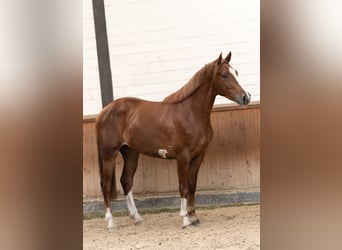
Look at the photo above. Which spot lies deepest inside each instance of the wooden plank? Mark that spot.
(172, 176)
(162, 180)
(149, 173)
(231, 133)
(90, 161)
(138, 182)
(252, 120)
(234, 106)
(87, 185)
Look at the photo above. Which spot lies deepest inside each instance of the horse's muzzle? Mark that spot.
(244, 99)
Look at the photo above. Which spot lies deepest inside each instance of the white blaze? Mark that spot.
(233, 72)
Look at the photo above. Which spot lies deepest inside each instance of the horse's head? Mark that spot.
(225, 81)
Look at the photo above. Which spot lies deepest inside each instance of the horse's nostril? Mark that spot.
(246, 98)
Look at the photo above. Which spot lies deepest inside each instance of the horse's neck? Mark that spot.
(202, 100)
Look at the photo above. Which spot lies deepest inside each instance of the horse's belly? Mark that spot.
(155, 151)
(163, 140)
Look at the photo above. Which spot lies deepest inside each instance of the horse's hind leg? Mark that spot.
(108, 185)
(130, 157)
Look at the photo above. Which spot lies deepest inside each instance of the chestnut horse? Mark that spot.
(177, 128)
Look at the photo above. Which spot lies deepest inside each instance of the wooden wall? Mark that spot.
(232, 160)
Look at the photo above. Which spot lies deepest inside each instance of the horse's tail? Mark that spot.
(100, 161)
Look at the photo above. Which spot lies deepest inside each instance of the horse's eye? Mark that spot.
(224, 76)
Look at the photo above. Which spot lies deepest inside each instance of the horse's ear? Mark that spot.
(229, 56)
(219, 59)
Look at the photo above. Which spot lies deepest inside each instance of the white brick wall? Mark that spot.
(157, 45)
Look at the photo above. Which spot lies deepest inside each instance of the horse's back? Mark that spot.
(123, 113)
(117, 108)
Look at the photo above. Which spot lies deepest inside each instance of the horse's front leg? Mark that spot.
(183, 175)
(193, 173)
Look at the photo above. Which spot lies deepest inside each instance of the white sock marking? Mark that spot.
(109, 218)
(133, 211)
(183, 211)
(129, 206)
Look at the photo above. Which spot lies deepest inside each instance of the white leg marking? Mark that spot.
(162, 153)
(183, 207)
(129, 206)
(184, 213)
(109, 218)
(133, 211)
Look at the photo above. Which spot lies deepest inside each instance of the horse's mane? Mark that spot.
(193, 84)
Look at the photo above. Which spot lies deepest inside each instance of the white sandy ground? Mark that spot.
(220, 228)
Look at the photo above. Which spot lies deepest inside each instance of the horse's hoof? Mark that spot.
(195, 222)
(137, 219)
(109, 219)
(186, 222)
(138, 222)
(110, 224)
(185, 225)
